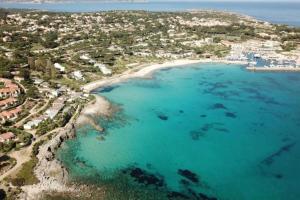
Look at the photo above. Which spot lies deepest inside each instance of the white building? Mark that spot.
(77, 75)
(103, 69)
(59, 67)
(33, 123)
(84, 57)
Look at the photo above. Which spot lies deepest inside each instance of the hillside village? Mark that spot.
(46, 58)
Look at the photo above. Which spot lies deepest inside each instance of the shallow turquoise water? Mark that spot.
(236, 131)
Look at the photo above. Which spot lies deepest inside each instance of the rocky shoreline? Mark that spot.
(98, 107)
(51, 174)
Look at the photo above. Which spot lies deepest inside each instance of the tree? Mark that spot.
(32, 92)
(31, 63)
(25, 73)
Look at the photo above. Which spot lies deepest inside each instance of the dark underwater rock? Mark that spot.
(196, 134)
(222, 130)
(176, 195)
(163, 117)
(230, 115)
(217, 106)
(205, 197)
(199, 196)
(203, 116)
(108, 89)
(144, 177)
(181, 111)
(184, 182)
(189, 175)
(270, 159)
(278, 176)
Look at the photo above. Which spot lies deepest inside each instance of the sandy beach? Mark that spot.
(146, 71)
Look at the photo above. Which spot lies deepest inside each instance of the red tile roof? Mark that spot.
(7, 101)
(7, 136)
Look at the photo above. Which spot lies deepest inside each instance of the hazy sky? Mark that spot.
(234, 0)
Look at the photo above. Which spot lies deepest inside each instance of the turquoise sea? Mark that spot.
(207, 131)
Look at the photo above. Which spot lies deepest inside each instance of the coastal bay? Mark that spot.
(137, 104)
(143, 129)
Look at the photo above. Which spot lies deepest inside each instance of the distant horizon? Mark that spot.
(136, 1)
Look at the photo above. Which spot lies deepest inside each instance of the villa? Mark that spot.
(57, 105)
(10, 115)
(10, 89)
(6, 137)
(33, 123)
(7, 102)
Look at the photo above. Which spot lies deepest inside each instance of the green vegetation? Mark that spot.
(26, 174)
(289, 46)
(24, 139)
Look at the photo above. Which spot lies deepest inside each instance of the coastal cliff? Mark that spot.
(51, 174)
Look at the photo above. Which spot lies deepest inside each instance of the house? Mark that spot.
(10, 115)
(103, 69)
(33, 123)
(59, 67)
(6, 137)
(77, 75)
(7, 102)
(9, 92)
(57, 105)
(18, 78)
(9, 89)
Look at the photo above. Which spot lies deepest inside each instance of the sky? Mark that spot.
(233, 0)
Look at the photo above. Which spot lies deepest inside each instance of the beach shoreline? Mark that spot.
(145, 71)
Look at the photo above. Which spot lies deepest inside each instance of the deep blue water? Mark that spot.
(214, 129)
(275, 12)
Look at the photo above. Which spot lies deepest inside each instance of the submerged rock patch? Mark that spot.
(196, 134)
(144, 177)
(230, 115)
(189, 175)
(163, 117)
(108, 89)
(204, 129)
(270, 159)
(217, 106)
(176, 195)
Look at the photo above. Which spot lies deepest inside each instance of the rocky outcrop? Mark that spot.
(51, 174)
